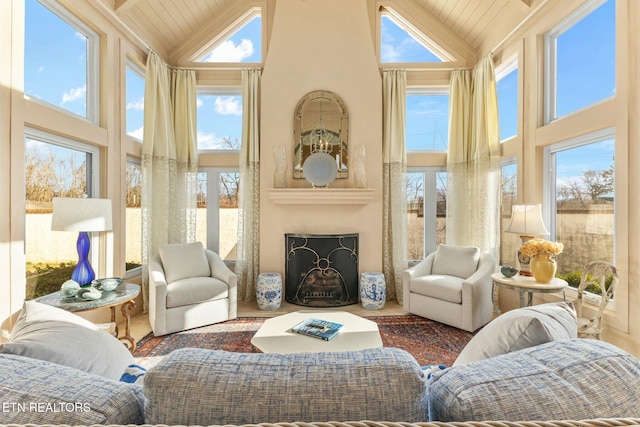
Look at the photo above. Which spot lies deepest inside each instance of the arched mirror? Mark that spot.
(321, 125)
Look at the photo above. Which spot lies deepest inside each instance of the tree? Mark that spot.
(598, 183)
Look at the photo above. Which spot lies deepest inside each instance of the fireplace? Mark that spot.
(321, 270)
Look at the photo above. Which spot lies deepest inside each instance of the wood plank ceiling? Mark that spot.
(167, 24)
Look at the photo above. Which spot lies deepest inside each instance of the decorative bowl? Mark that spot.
(108, 284)
(508, 271)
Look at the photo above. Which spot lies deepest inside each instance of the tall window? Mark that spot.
(507, 88)
(54, 167)
(217, 214)
(135, 102)
(427, 126)
(244, 44)
(219, 119)
(509, 242)
(133, 232)
(581, 59)
(60, 59)
(426, 211)
(581, 190)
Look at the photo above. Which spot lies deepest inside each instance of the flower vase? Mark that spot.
(280, 173)
(543, 267)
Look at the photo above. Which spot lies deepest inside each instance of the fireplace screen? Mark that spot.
(321, 270)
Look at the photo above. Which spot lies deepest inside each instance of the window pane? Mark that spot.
(509, 242)
(584, 217)
(133, 215)
(51, 171)
(219, 122)
(243, 46)
(398, 45)
(228, 208)
(55, 60)
(135, 105)
(201, 212)
(441, 208)
(427, 122)
(415, 216)
(586, 61)
(507, 88)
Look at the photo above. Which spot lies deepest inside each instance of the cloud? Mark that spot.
(228, 52)
(389, 53)
(199, 102)
(137, 134)
(41, 68)
(210, 141)
(136, 105)
(74, 94)
(228, 105)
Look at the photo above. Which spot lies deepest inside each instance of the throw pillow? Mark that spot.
(184, 260)
(55, 335)
(521, 328)
(134, 374)
(458, 261)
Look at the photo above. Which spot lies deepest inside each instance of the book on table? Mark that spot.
(318, 328)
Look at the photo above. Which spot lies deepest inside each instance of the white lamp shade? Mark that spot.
(81, 214)
(526, 220)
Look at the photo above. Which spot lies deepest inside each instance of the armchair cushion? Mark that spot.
(459, 261)
(194, 290)
(184, 260)
(521, 328)
(447, 288)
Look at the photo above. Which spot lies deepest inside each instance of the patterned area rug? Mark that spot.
(428, 341)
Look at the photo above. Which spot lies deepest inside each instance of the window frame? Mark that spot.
(549, 205)
(550, 102)
(92, 63)
(429, 206)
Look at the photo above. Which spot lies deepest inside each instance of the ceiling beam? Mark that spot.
(121, 7)
(524, 5)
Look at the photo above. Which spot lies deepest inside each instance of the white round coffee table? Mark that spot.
(275, 335)
(526, 286)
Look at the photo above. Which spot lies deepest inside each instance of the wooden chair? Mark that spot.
(594, 277)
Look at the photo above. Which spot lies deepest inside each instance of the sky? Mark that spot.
(55, 72)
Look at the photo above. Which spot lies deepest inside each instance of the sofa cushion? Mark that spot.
(182, 260)
(521, 328)
(459, 261)
(561, 380)
(246, 388)
(49, 333)
(39, 392)
(193, 290)
(446, 288)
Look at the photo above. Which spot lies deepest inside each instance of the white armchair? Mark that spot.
(189, 286)
(452, 286)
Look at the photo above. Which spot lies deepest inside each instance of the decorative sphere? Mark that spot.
(69, 288)
(508, 271)
(90, 293)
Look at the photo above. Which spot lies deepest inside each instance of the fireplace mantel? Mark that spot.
(321, 196)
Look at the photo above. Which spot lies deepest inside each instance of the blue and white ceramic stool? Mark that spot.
(269, 291)
(373, 290)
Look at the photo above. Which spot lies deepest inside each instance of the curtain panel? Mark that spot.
(394, 200)
(169, 161)
(248, 248)
(473, 161)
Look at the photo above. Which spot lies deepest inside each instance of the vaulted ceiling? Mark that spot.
(170, 24)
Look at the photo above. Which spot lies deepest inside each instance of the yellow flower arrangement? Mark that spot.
(535, 246)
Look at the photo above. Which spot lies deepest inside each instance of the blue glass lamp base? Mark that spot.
(83, 273)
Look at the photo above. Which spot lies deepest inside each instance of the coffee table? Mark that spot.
(275, 336)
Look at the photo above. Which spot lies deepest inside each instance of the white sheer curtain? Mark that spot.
(394, 208)
(248, 249)
(473, 163)
(169, 160)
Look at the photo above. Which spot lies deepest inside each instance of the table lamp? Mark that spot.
(82, 215)
(526, 220)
